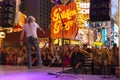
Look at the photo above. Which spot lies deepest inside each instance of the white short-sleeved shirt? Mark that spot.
(31, 30)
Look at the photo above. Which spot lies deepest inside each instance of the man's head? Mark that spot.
(30, 19)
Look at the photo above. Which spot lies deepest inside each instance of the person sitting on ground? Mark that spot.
(77, 59)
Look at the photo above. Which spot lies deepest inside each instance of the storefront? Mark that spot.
(72, 19)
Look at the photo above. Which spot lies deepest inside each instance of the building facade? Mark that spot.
(40, 9)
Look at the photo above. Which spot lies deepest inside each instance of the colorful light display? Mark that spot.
(63, 14)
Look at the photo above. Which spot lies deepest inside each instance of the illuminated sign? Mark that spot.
(63, 14)
(59, 41)
(85, 8)
(2, 35)
(98, 43)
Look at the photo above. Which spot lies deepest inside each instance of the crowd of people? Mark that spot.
(69, 56)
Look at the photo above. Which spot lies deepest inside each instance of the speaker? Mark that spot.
(100, 10)
(8, 12)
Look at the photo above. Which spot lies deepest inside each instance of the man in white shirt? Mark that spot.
(30, 28)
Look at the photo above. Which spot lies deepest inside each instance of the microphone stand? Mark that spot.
(63, 51)
(63, 31)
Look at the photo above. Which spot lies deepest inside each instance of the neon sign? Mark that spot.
(60, 14)
(85, 8)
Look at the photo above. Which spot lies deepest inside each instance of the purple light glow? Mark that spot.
(26, 76)
(33, 75)
(22, 73)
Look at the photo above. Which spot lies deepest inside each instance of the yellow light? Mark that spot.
(98, 43)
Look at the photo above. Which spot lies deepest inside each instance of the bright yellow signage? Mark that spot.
(63, 14)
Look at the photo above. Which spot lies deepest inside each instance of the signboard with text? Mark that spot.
(63, 14)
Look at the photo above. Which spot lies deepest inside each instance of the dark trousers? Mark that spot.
(31, 41)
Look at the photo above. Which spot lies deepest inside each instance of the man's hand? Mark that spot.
(43, 32)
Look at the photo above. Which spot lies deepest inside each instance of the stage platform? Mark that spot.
(45, 73)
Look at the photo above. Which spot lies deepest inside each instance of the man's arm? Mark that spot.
(78, 64)
(22, 35)
(41, 29)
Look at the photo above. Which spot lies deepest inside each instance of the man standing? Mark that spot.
(30, 28)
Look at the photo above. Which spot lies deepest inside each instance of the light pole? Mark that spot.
(119, 27)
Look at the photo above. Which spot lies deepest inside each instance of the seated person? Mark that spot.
(67, 57)
(77, 59)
